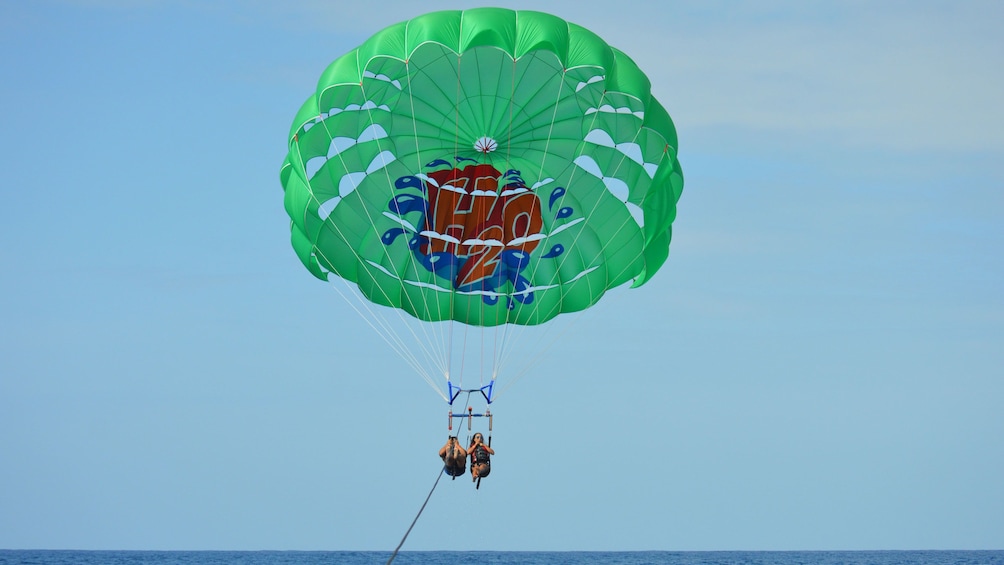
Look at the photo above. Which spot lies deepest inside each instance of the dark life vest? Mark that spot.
(479, 455)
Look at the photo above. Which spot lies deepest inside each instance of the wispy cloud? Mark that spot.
(873, 75)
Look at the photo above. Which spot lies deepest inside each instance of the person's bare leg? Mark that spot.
(446, 453)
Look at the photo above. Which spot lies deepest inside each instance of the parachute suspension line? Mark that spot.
(440, 335)
(456, 105)
(449, 353)
(605, 245)
(453, 286)
(442, 360)
(463, 357)
(481, 305)
(376, 322)
(525, 369)
(512, 103)
(549, 329)
(513, 335)
(481, 350)
(501, 335)
(408, 531)
(501, 341)
(540, 355)
(384, 331)
(497, 343)
(498, 335)
(431, 333)
(387, 333)
(588, 214)
(502, 352)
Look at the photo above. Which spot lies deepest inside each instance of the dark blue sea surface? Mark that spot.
(67, 557)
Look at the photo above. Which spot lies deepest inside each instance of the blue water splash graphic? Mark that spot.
(409, 182)
(407, 203)
(555, 251)
(390, 235)
(555, 195)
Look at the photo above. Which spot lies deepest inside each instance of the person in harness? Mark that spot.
(454, 457)
(480, 457)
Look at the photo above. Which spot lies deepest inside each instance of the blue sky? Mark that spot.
(817, 366)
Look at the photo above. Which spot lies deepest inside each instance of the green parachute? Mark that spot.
(486, 166)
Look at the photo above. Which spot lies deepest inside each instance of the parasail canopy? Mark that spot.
(486, 166)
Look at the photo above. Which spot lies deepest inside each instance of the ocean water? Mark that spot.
(48, 557)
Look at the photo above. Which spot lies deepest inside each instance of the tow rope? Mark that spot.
(398, 548)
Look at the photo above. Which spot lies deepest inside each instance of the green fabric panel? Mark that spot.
(660, 204)
(586, 49)
(335, 254)
(436, 27)
(295, 200)
(494, 27)
(676, 182)
(657, 118)
(343, 70)
(308, 111)
(537, 31)
(285, 171)
(627, 78)
(391, 42)
(304, 249)
(655, 256)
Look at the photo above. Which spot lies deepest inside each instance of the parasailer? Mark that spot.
(480, 171)
(481, 454)
(454, 457)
